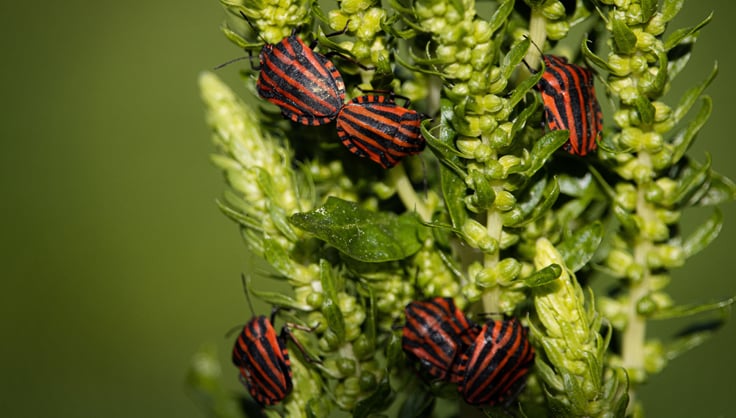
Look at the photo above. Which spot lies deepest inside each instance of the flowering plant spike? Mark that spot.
(493, 217)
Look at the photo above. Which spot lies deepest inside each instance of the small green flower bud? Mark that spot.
(553, 10)
(460, 89)
(346, 366)
(656, 25)
(486, 278)
(646, 41)
(557, 30)
(638, 64)
(622, 118)
(620, 66)
(352, 386)
(655, 230)
(646, 306)
(504, 200)
(468, 145)
(329, 341)
(626, 196)
(315, 299)
(368, 382)
(654, 356)
(669, 217)
(663, 159)
(446, 53)
(507, 270)
(355, 6)
(635, 272)
(491, 103)
(317, 321)
(363, 348)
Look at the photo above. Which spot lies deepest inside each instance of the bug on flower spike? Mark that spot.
(375, 127)
(435, 334)
(570, 103)
(495, 366)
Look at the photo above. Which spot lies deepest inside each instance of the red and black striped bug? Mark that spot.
(435, 334)
(570, 103)
(263, 360)
(375, 127)
(495, 366)
(303, 83)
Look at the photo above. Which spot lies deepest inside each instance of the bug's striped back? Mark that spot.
(570, 103)
(303, 83)
(375, 127)
(435, 333)
(495, 366)
(263, 360)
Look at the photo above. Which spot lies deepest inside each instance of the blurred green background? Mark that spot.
(117, 265)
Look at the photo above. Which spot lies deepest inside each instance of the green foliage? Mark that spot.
(494, 214)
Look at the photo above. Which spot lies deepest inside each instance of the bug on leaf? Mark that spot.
(494, 367)
(375, 127)
(570, 103)
(436, 332)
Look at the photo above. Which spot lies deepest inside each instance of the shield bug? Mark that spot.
(435, 334)
(570, 103)
(375, 127)
(494, 367)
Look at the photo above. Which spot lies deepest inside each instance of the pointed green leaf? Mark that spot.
(454, 192)
(645, 109)
(679, 35)
(721, 190)
(279, 219)
(244, 220)
(501, 15)
(543, 149)
(691, 96)
(683, 311)
(593, 58)
(378, 401)
(278, 299)
(361, 234)
(330, 304)
(624, 40)
(541, 197)
(528, 111)
(627, 221)
(579, 248)
(685, 137)
(514, 57)
(670, 8)
(544, 276)
(691, 183)
(419, 403)
(278, 258)
(655, 89)
(704, 235)
(648, 8)
(523, 88)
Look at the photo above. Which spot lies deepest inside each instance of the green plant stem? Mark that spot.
(494, 226)
(398, 178)
(634, 336)
(538, 35)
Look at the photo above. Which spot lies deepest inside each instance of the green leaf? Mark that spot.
(278, 299)
(543, 149)
(330, 305)
(542, 195)
(670, 8)
(692, 183)
(419, 403)
(544, 276)
(721, 190)
(691, 96)
(501, 15)
(394, 352)
(522, 88)
(655, 89)
(624, 40)
(378, 401)
(593, 58)
(278, 258)
(679, 35)
(454, 192)
(514, 58)
(648, 8)
(526, 112)
(279, 219)
(361, 234)
(579, 248)
(645, 110)
(683, 311)
(685, 137)
(627, 221)
(704, 235)
(244, 220)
